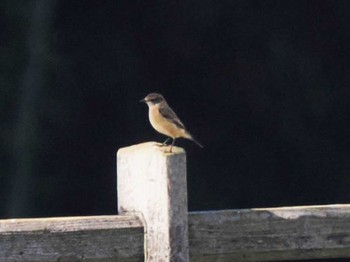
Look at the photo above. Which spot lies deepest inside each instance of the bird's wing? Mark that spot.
(170, 115)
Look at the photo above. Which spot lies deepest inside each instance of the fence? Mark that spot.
(153, 224)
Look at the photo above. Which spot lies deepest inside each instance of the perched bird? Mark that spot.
(164, 120)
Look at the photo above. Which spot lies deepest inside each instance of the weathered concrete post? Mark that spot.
(152, 183)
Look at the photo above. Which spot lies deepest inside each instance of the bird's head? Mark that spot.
(153, 99)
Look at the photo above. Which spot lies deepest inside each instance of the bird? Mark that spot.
(164, 120)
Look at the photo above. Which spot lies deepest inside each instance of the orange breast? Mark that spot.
(162, 125)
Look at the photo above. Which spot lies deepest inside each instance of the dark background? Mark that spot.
(264, 85)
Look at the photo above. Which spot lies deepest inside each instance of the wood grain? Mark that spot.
(95, 238)
(270, 234)
(265, 234)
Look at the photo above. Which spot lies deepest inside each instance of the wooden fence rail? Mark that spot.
(95, 238)
(153, 224)
(270, 234)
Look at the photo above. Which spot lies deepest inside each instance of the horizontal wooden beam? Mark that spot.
(264, 234)
(95, 238)
(270, 234)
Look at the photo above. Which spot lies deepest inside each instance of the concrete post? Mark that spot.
(152, 183)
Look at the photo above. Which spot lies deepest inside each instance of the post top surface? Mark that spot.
(150, 147)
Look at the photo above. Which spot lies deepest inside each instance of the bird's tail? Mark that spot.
(199, 144)
(190, 137)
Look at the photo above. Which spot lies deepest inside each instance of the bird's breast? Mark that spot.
(163, 125)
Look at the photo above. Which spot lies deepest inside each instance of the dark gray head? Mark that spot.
(153, 99)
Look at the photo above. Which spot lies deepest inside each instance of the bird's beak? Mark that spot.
(143, 100)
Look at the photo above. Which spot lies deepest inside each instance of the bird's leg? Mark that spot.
(172, 144)
(164, 143)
